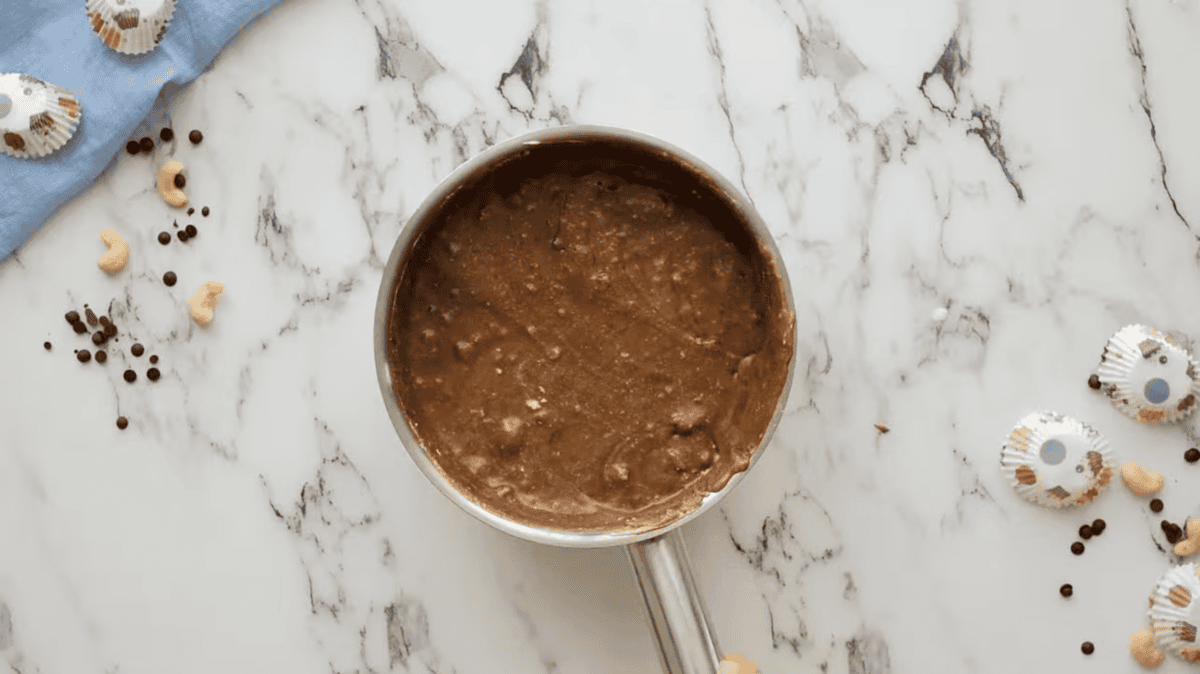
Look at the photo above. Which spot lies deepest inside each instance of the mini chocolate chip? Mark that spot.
(1094, 381)
(72, 317)
(166, 135)
(164, 238)
(152, 374)
(101, 356)
(133, 147)
(130, 376)
(204, 211)
(180, 181)
(104, 322)
(1077, 548)
(147, 144)
(1156, 505)
(1172, 531)
(110, 330)
(191, 231)
(122, 423)
(182, 235)
(191, 210)
(80, 328)
(99, 337)
(1098, 527)
(137, 350)
(1088, 648)
(153, 359)
(169, 278)
(47, 345)
(1085, 532)
(1192, 455)
(195, 137)
(91, 317)
(1066, 590)
(83, 355)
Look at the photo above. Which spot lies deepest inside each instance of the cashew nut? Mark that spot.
(1139, 481)
(117, 255)
(1188, 546)
(166, 185)
(204, 301)
(1143, 649)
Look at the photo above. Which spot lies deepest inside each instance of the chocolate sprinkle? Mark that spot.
(147, 144)
(166, 135)
(1094, 381)
(1085, 532)
(180, 181)
(1088, 648)
(104, 322)
(47, 345)
(130, 376)
(169, 278)
(164, 238)
(191, 210)
(1077, 548)
(122, 423)
(83, 355)
(204, 211)
(91, 316)
(1066, 590)
(101, 356)
(1192, 455)
(1156, 505)
(191, 231)
(152, 374)
(137, 350)
(133, 147)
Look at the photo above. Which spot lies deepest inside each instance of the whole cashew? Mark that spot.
(1144, 650)
(166, 185)
(1139, 481)
(117, 255)
(1188, 546)
(204, 301)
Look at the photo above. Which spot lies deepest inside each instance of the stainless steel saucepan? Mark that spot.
(681, 625)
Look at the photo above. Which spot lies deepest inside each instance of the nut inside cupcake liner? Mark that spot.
(1056, 461)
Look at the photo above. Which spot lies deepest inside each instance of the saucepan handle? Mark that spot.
(687, 643)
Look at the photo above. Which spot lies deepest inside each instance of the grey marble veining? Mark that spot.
(970, 198)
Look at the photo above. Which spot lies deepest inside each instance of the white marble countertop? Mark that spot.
(970, 198)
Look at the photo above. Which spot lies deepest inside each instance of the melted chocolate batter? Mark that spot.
(587, 353)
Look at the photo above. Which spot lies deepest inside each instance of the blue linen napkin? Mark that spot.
(52, 40)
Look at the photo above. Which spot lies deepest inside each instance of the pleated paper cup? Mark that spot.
(130, 26)
(1056, 461)
(1149, 376)
(36, 117)
(1175, 612)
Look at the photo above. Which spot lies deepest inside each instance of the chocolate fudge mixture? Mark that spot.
(587, 353)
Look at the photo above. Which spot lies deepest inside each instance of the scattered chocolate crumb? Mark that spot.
(80, 328)
(1192, 455)
(72, 317)
(182, 235)
(47, 345)
(180, 181)
(1066, 590)
(101, 356)
(195, 136)
(1173, 532)
(122, 423)
(1088, 648)
(1094, 381)
(169, 278)
(1098, 527)
(882, 428)
(152, 374)
(130, 376)
(147, 144)
(153, 359)
(1077, 548)
(83, 355)
(1085, 532)
(191, 231)
(164, 238)
(1156, 505)
(137, 350)
(91, 317)
(133, 147)
(204, 211)
(99, 337)
(166, 134)
(191, 210)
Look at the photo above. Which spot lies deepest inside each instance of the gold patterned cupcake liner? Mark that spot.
(1149, 376)
(1175, 612)
(1056, 461)
(130, 26)
(36, 117)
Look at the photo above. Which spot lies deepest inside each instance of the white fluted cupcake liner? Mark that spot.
(1056, 461)
(36, 117)
(1149, 376)
(1175, 612)
(130, 26)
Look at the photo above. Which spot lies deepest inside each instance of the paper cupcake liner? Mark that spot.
(1149, 376)
(1056, 461)
(1175, 612)
(36, 117)
(130, 26)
